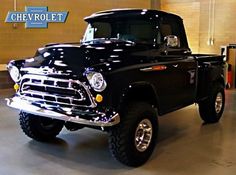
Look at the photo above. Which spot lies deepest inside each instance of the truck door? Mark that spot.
(178, 86)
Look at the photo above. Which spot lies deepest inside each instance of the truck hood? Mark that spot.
(105, 55)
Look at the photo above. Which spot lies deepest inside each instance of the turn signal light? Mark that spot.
(16, 87)
(99, 98)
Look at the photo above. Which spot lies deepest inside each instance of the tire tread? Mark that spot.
(119, 135)
(29, 123)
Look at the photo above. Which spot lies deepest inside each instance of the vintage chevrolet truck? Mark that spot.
(131, 66)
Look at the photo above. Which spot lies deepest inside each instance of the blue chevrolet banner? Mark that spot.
(36, 17)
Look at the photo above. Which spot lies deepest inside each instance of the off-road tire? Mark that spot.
(122, 137)
(207, 107)
(40, 128)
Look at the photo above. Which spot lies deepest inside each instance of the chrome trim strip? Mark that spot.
(148, 69)
(160, 67)
(50, 95)
(55, 80)
(32, 99)
(43, 71)
(18, 103)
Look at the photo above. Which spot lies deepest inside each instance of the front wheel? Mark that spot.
(133, 140)
(40, 128)
(212, 108)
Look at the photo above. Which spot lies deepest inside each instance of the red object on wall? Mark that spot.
(230, 75)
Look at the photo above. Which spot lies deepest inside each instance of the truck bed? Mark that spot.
(208, 58)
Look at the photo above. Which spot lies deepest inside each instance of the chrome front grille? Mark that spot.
(55, 91)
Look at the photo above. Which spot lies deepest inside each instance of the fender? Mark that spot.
(141, 91)
(221, 80)
(17, 63)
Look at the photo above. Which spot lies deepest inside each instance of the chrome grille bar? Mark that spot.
(54, 90)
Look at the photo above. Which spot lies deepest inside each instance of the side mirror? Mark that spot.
(172, 41)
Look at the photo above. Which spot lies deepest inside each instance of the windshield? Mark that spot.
(129, 30)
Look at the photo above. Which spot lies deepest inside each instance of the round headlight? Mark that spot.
(97, 81)
(14, 73)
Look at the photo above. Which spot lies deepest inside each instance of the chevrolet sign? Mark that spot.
(36, 17)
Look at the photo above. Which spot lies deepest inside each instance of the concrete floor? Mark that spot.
(185, 147)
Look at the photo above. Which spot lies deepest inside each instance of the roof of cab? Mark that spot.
(125, 12)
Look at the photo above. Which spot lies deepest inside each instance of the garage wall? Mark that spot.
(20, 42)
(196, 18)
(191, 19)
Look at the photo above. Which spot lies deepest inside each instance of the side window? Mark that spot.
(102, 30)
(135, 30)
(166, 30)
(171, 27)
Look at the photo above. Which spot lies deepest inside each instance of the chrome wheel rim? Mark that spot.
(218, 102)
(143, 135)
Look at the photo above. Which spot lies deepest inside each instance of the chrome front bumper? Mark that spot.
(26, 106)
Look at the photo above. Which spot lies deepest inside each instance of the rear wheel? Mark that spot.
(211, 109)
(40, 128)
(133, 140)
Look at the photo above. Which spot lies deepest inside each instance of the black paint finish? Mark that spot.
(170, 77)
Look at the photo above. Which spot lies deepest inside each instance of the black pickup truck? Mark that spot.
(132, 66)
